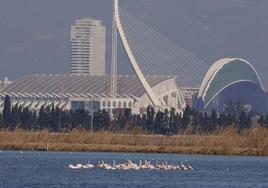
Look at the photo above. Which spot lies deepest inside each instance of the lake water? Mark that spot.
(50, 169)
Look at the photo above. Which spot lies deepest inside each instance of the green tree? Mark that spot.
(66, 121)
(201, 126)
(261, 120)
(222, 121)
(166, 123)
(205, 127)
(102, 121)
(159, 123)
(15, 117)
(26, 119)
(266, 121)
(150, 119)
(173, 121)
(186, 117)
(1, 121)
(213, 123)
(7, 112)
(42, 118)
(57, 119)
(196, 121)
(244, 120)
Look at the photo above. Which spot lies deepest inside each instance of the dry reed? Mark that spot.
(227, 142)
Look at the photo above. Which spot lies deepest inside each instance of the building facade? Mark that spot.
(189, 93)
(91, 93)
(88, 39)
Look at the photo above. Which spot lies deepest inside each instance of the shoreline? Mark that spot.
(228, 143)
(137, 149)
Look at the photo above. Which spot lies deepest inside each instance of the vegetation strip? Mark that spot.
(252, 141)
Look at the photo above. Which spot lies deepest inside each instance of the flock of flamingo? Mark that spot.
(129, 165)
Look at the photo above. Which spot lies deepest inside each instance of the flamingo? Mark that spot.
(89, 165)
(102, 165)
(150, 167)
(78, 166)
(158, 166)
(129, 165)
(183, 167)
(72, 166)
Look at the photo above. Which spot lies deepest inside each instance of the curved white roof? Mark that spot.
(216, 67)
(224, 73)
(73, 85)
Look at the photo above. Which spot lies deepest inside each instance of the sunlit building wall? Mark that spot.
(88, 47)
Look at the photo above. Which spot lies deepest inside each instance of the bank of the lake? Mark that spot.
(252, 142)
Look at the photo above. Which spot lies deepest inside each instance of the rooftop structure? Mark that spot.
(4, 83)
(34, 91)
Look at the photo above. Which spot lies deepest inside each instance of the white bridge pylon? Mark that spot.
(154, 99)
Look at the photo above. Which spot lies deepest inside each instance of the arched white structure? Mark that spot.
(147, 87)
(223, 74)
(214, 69)
(169, 94)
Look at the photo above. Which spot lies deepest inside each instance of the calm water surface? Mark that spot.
(49, 169)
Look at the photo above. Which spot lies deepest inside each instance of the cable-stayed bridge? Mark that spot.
(151, 53)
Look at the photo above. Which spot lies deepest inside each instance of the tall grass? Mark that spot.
(226, 142)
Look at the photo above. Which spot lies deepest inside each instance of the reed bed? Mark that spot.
(253, 141)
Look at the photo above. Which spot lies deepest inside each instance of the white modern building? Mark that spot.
(88, 38)
(91, 92)
(188, 93)
(231, 80)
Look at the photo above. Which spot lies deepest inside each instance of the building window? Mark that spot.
(103, 104)
(114, 104)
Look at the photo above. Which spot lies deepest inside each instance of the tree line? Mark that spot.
(167, 122)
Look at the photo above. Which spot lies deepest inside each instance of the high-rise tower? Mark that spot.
(88, 47)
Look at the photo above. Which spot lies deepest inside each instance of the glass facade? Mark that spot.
(246, 93)
(85, 105)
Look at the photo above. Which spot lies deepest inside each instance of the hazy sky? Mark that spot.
(34, 34)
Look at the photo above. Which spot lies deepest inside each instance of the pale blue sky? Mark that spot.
(34, 34)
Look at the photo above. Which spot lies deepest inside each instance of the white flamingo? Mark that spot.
(183, 167)
(146, 165)
(78, 166)
(89, 165)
